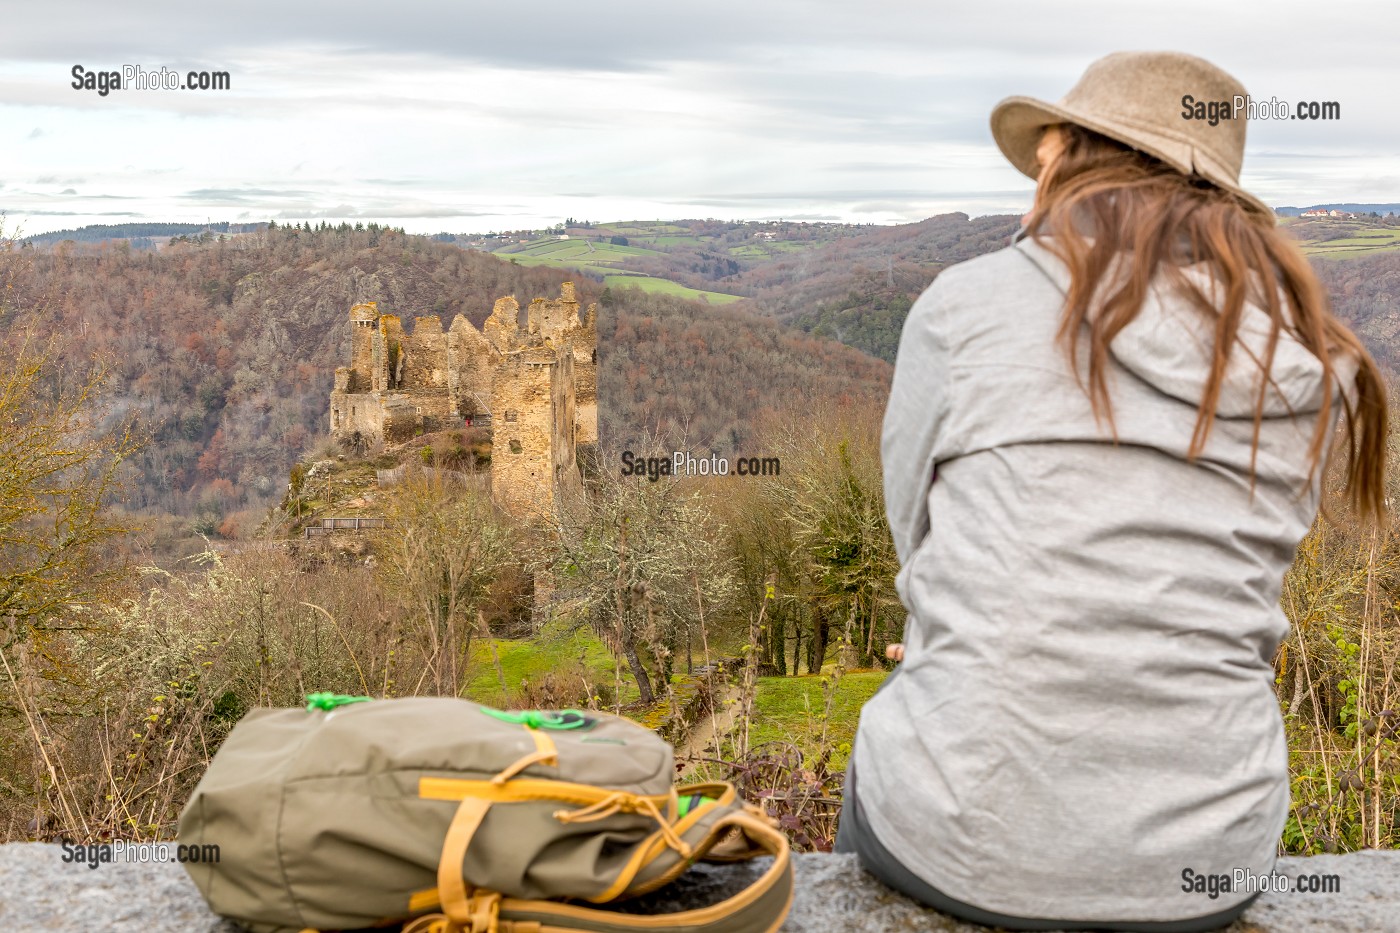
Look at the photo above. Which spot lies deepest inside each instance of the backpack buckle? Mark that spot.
(484, 909)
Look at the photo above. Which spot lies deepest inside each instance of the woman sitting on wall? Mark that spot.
(1102, 446)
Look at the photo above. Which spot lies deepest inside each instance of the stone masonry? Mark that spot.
(834, 895)
(533, 383)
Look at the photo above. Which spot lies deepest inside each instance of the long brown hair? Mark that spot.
(1100, 199)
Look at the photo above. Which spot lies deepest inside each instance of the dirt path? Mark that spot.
(711, 730)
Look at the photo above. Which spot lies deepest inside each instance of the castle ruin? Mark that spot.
(533, 383)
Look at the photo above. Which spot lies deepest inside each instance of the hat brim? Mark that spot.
(1017, 123)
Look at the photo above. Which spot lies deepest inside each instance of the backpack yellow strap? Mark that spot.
(760, 908)
(471, 913)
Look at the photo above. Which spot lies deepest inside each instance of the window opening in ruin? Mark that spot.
(515, 447)
(510, 414)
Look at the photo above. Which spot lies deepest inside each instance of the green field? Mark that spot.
(640, 228)
(666, 287)
(1362, 239)
(664, 239)
(588, 255)
(575, 252)
(553, 652)
(583, 251)
(767, 248)
(791, 709)
(785, 708)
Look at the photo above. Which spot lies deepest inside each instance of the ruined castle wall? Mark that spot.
(469, 367)
(536, 377)
(364, 321)
(425, 361)
(388, 348)
(502, 327)
(565, 476)
(357, 413)
(522, 408)
(402, 419)
(553, 318)
(584, 344)
(425, 369)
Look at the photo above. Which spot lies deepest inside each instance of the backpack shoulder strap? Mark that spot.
(759, 908)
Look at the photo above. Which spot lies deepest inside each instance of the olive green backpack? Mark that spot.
(452, 817)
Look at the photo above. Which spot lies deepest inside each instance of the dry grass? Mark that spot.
(1338, 689)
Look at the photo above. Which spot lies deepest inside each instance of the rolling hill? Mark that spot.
(227, 347)
(850, 282)
(1335, 238)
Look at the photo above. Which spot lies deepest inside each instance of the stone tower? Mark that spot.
(364, 323)
(534, 401)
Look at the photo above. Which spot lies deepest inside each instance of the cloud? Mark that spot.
(894, 195)
(444, 110)
(383, 212)
(638, 36)
(243, 195)
(865, 167)
(82, 214)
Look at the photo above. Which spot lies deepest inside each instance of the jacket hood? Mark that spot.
(1169, 346)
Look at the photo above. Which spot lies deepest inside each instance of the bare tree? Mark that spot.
(440, 553)
(60, 465)
(625, 560)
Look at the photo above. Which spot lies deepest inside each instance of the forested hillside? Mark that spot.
(678, 370)
(227, 348)
(859, 290)
(140, 235)
(1365, 293)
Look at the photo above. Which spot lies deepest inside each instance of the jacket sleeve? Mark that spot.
(913, 419)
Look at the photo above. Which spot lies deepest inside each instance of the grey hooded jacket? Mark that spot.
(1085, 708)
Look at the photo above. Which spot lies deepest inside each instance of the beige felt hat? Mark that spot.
(1136, 98)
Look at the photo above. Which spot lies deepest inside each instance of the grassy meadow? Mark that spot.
(793, 709)
(581, 251)
(591, 256)
(1343, 239)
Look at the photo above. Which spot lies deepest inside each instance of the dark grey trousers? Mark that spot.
(853, 834)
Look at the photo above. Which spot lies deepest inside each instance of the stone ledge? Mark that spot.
(39, 892)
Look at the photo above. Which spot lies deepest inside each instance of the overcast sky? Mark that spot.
(466, 116)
